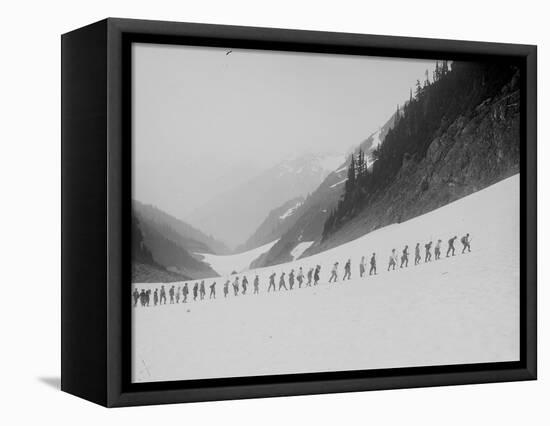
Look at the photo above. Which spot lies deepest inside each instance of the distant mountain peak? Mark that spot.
(235, 215)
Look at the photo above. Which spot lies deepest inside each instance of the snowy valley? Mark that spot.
(462, 309)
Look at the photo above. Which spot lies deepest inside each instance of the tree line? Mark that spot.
(453, 90)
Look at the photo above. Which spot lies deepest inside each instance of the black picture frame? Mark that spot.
(96, 203)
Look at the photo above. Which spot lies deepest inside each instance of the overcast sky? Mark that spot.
(204, 120)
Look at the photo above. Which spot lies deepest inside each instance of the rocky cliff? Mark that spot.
(479, 148)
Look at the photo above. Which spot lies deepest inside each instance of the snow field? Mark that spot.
(463, 309)
(225, 265)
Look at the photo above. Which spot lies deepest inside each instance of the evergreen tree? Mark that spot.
(418, 89)
(350, 182)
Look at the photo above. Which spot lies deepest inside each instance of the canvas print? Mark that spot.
(308, 212)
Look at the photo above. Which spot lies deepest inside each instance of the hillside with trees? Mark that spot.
(458, 133)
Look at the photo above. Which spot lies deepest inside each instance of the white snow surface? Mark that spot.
(462, 309)
(300, 249)
(239, 262)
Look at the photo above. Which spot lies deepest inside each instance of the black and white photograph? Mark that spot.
(300, 212)
(275, 213)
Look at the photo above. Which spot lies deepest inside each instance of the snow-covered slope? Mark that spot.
(462, 309)
(239, 262)
(277, 222)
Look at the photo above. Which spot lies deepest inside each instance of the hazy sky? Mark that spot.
(204, 120)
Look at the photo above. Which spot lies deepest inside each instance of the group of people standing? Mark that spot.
(306, 279)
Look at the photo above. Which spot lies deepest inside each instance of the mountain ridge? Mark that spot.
(237, 214)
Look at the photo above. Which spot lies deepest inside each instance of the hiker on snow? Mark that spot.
(142, 297)
(256, 285)
(316, 274)
(300, 277)
(372, 264)
(393, 260)
(171, 292)
(245, 285)
(236, 286)
(185, 293)
(271, 282)
(226, 289)
(428, 248)
(451, 248)
(156, 297)
(178, 295)
(202, 290)
(212, 290)
(282, 283)
(347, 270)
(362, 267)
(135, 294)
(417, 257)
(162, 294)
(405, 257)
(465, 240)
(437, 250)
(309, 276)
(334, 273)
(291, 279)
(195, 291)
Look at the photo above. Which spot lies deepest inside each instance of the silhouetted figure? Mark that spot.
(347, 271)
(362, 267)
(291, 279)
(437, 250)
(417, 257)
(300, 277)
(271, 282)
(162, 295)
(282, 283)
(309, 276)
(202, 290)
(148, 297)
(428, 256)
(236, 286)
(393, 260)
(334, 273)
(185, 293)
(465, 240)
(142, 297)
(405, 257)
(171, 293)
(195, 291)
(226, 289)
(244, 284)
(451, 248)
(178, 294)
(316, 274)
(156, 297)
(212, 287)
(256, 284)
(372, 264)
(135, 294)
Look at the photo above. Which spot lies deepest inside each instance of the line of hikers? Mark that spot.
(311, 277)
(465, 240)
